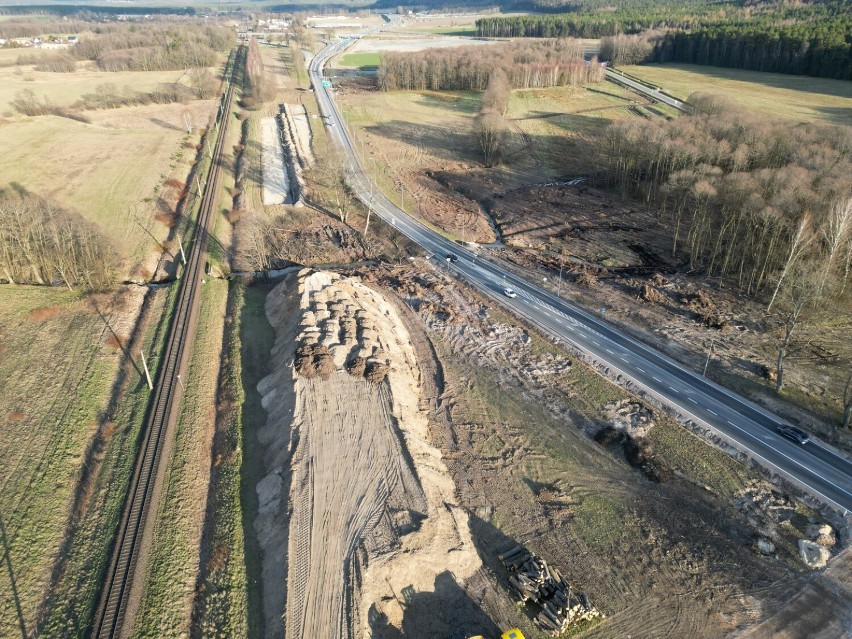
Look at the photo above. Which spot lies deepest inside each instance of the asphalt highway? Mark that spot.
(815, 467)
(615, 76)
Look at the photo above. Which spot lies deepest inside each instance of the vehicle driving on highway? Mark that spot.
(508, 292)
(794, 434)
(452, 258)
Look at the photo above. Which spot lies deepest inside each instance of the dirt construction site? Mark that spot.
(416, 436)
(431, 467)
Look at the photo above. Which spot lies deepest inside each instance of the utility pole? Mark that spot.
(147, 373)
(367, 225)
(180, 245)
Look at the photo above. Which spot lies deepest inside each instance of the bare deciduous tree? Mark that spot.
(41, 244)
(800, 293)
(801, 238)
(846, 420)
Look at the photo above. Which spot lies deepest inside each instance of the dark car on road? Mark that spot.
(794, 434)
(452, 258)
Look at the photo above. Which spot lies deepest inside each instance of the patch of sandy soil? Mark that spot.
(817, 611)
(197, 114)
(276, 188)
(300, 128)
(357, 506)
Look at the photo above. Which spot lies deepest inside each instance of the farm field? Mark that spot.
(9, 57)
(48, 416)
(110, 175)
(407, 44)
(63, 89)
(782, 96)
(359, 60)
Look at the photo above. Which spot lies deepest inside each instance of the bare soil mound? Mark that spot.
(357, 505)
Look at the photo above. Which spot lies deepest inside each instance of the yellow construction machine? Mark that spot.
(514, 633)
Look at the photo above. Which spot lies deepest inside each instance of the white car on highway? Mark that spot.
(508, 292)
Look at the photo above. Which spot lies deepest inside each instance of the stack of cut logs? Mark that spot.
(533, 580)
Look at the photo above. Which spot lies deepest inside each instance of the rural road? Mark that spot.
(815, 467)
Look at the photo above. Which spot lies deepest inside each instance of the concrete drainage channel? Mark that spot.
(286, 152)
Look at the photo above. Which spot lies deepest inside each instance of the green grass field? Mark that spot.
(360, 61)
(106, 174)
(229, 599)
(777, 95)
(66, 88)
(461, 30)
(48, 415)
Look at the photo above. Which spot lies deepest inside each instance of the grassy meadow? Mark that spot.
(359, 61)
(791, 97)
(109, 175)
(48, 416)
(64, 89)
(413, 130)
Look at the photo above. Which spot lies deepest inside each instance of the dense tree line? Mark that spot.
(42, 244)
(525, 65)
(816, 49)
(154, 48)
(747, 198)
(800, 38)
(628, 49)
(257, 86)
(26, 27)
(586, 20)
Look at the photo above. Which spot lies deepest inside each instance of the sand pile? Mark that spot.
(357, 505)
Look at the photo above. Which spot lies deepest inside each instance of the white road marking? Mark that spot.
(609, 351)
(692, 400)
(639, 369)
(656, 380)
(672, 388)
(712, 412)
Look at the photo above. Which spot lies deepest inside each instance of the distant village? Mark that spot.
(48, 42)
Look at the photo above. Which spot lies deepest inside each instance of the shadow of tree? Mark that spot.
(837, 115)
(164, 124)
(7, 560)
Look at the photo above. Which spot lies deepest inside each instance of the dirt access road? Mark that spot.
(357, 507)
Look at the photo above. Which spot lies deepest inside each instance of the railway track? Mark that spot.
(162, 411)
